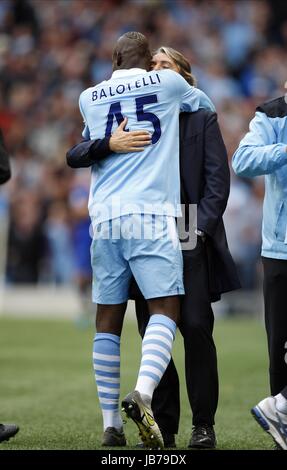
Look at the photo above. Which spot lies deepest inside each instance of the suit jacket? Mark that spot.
(205, 181)
(5, 172)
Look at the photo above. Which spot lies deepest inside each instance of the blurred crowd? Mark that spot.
(51, 50)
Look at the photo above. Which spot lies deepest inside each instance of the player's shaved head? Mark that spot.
(131, 50)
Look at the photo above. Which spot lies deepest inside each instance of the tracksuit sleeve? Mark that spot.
(258, 153)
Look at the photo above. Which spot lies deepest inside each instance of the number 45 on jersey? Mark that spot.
(115, 111)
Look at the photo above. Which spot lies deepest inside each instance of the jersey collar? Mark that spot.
(127, 72)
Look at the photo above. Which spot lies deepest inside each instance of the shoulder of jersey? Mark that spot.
(274, 108)
(84, 92)
(88, 90)
(167, 73)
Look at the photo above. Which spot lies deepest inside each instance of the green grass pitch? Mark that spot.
(47, 384)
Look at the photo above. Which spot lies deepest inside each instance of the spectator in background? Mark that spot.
(6, 430)
(60, 250)
(26, 239)
(81, 239)
(263, 151)
(5, 171)
(243, 218)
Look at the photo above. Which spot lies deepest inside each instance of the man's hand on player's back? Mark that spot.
(122, 141)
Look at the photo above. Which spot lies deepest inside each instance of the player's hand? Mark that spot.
(133, 141)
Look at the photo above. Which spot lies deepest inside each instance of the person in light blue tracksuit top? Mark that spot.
(263, 151)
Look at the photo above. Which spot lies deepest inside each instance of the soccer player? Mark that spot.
(123, 191)
(205, 182)
(263, 151)
(6, 430)
(81, 240)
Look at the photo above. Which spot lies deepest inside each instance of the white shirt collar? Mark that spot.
(126, 72)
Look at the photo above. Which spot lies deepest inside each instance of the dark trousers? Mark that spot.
(200, 353)
(275, 301)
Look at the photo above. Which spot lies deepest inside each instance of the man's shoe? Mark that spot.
(168, 440)
(7, 431)
(202, 437)
(113, 438)
(140, 412)
(271, 420)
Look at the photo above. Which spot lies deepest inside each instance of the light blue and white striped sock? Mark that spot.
(156, 353)
(106, 360)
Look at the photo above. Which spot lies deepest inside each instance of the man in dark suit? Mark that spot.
(6, 430)
(209, 269)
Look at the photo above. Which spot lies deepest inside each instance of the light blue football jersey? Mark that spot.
(139, 182)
